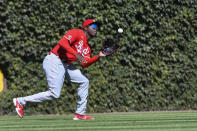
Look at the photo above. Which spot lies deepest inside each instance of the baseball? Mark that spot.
(120, 30)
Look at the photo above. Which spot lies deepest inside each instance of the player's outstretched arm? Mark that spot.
(92, 60)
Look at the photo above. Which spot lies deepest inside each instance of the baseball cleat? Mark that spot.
(82, 117)
(19, 107)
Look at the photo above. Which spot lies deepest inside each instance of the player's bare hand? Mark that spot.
(101, 54)
(80, 58)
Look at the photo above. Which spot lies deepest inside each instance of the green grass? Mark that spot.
(152, 121)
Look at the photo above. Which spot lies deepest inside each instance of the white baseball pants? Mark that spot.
(56, 70)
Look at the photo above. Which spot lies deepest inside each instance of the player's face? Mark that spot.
(92, 29)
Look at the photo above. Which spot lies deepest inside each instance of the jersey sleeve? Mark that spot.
(89, 60)
(69, 38)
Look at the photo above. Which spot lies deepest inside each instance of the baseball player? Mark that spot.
(58, 63)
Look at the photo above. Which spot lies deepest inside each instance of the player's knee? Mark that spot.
(55, 94)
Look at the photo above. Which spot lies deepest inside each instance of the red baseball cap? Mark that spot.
(88, 22)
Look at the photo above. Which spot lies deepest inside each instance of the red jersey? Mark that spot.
(73, 42)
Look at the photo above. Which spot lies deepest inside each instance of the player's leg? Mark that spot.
(55, 72)
(76, 76)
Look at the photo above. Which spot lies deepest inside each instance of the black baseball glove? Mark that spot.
(109, 47)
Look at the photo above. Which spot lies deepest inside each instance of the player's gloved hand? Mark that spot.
(80, 58)
(109, 47)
